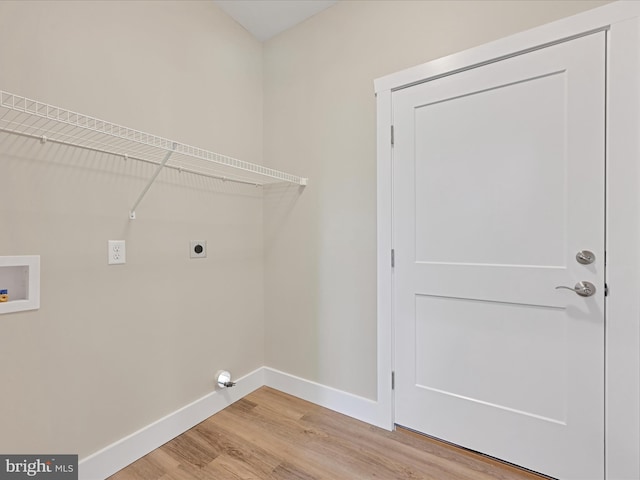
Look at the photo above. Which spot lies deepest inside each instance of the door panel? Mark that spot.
(496, 232)
(481, 354)
(498, 183)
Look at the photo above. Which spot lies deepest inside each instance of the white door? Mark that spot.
(498, 184)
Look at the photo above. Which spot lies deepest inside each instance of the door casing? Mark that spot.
(621, 21)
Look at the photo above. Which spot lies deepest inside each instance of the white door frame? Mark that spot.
(621, 20)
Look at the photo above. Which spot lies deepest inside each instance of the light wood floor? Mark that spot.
(271, 435)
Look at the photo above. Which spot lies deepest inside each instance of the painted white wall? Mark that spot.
(320, 119)
(114, 348)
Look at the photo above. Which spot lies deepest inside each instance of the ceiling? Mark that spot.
(266, 18)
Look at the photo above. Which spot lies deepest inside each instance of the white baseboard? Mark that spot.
(118, 455)
(361, 408)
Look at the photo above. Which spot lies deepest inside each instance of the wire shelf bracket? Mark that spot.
(132, 212)
(47, 123)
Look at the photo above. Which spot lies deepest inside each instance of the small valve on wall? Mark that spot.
(4, 295)
(224, 379)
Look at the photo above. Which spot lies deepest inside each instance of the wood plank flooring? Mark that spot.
(271, 435)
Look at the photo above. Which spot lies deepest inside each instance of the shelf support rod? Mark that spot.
(132, 212)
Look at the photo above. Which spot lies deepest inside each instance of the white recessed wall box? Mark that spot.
(20, 277)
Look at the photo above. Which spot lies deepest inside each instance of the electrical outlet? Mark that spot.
(117, 252)
(198, 249)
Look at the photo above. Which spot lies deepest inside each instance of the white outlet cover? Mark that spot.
(198, 249)
(117, 254)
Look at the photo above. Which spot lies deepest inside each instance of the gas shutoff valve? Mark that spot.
(224, 379)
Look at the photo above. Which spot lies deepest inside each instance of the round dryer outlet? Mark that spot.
(198, 249)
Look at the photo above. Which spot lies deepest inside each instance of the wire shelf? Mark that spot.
(31, 118)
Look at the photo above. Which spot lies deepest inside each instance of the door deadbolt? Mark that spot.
(585, 257)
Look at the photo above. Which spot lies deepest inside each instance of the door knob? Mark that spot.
(584, 289)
